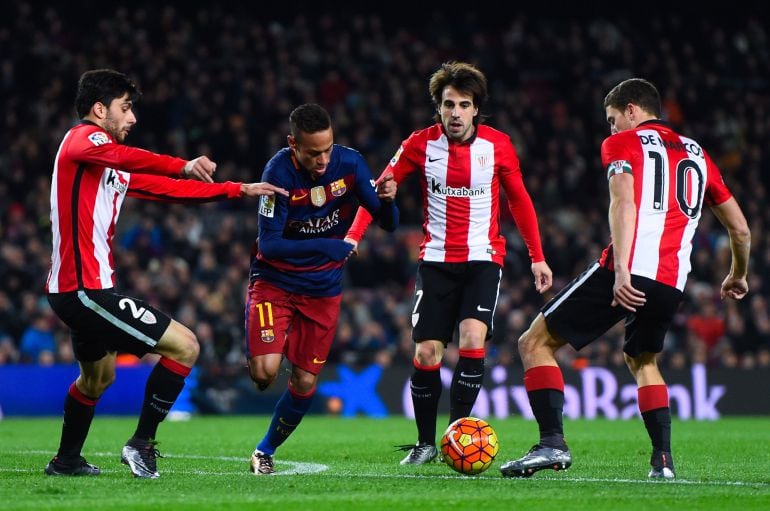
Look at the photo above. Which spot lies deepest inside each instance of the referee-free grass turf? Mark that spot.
(341, 464)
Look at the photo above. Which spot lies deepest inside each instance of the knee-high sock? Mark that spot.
(288, 413)
(78, 415)
(545, 388)
(466, 383)
(653, 404)
(426, 391)
(165, 383)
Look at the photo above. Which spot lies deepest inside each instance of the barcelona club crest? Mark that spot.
(338, 188)
(268, 335)
(318, 196)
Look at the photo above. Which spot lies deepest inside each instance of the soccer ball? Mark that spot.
(469, 445)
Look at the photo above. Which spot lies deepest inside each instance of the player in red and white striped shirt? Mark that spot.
(93, 174)
(462, 166)
(659, 182)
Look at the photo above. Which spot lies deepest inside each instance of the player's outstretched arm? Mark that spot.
(167, 189)
(387, 187)
(200, 168)
(259, 189)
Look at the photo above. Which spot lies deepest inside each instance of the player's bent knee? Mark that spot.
(193, 350)
(179, 344)
(643, 361)
(261, 375)
(525, 342)
(304, 384)
(186, 354)
(473, 341)
(429, 353)
(188, 349)
(95, 387)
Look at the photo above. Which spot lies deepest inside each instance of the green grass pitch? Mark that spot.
(341, 464)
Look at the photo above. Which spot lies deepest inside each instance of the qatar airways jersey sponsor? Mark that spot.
(673, 179)
(91, 179)
(461, 184)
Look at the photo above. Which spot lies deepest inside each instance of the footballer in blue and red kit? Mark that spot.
(294, 296)
(301, 252)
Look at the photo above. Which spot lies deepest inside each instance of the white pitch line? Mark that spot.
(305, 468)
(555, 479)
(295, 467)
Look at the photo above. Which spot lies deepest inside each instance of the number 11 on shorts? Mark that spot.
(262, 308)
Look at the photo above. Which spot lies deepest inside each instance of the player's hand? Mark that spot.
(624, 294)
(257, 189)
(355, 245)
(543, 276)
(201, 168)
(734, 287)
(386, 188)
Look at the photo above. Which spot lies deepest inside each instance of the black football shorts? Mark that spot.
(447, 293)
(583, 311)
(102, 321)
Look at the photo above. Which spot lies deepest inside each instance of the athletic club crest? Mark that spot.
(338, 188)
(318, 196)
(268, 335)
(483, 160)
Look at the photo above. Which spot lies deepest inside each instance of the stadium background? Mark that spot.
(221, 80)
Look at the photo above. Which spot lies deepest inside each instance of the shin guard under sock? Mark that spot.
(654, 407)
(78, 415)
(165, 383)
(545, 388)
(466, 383)
(426, 391)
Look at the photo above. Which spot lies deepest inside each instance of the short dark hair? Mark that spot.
(637, 91)
(464, 77)
(308, 118)
(102, 86)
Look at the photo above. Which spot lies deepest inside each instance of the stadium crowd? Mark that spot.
(222, 82)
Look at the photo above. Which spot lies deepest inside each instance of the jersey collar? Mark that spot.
(654, 121)
(470, 140)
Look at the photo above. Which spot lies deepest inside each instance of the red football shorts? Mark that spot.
(299, 326)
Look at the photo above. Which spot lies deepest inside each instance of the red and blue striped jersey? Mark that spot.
(300, 247)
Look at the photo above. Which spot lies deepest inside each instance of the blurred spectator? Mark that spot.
(706, 327)
(37, 342)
